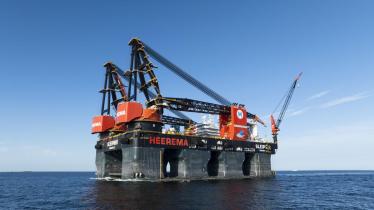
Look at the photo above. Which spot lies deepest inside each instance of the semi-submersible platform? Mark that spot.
(137, 140)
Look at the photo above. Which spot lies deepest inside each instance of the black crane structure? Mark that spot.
(141, 76)
(181, 120)
(114, 90)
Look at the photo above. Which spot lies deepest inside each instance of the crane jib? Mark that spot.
(187, 77)
(287, 101)
(225, 103)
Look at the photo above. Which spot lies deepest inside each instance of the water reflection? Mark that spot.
(233, 194)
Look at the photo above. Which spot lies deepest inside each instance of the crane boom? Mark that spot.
(140, 48)
(187, 77)
(275, 125)
(288, 99)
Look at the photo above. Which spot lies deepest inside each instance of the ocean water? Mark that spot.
(288, 190)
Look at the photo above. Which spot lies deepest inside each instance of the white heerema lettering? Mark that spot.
(260, 146)
(121, 113)
(240, 126)
(97, 124)
(112, 143)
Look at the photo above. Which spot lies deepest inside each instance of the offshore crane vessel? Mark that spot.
(133, 142)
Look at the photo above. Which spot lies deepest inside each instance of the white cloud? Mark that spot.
(49, 152)
(318, 95)
(346, 99)
(299, 112)
(327, 148)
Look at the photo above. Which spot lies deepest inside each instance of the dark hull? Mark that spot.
(156, 157)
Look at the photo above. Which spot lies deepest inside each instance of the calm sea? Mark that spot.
(288, 190)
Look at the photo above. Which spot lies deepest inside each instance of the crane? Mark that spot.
(276, 123)
(141, 77)
(113, 84)
(139, 49)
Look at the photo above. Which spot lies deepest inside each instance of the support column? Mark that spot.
(233, 164)
(141, 162)
(100, 163)
(261, 165)
(113, 163)
(193, 164)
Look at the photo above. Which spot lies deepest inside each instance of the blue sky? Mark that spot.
(52, 52)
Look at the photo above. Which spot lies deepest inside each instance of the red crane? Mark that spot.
(140, 76)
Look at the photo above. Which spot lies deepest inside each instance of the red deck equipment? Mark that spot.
(128, 111)
(102, 123)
